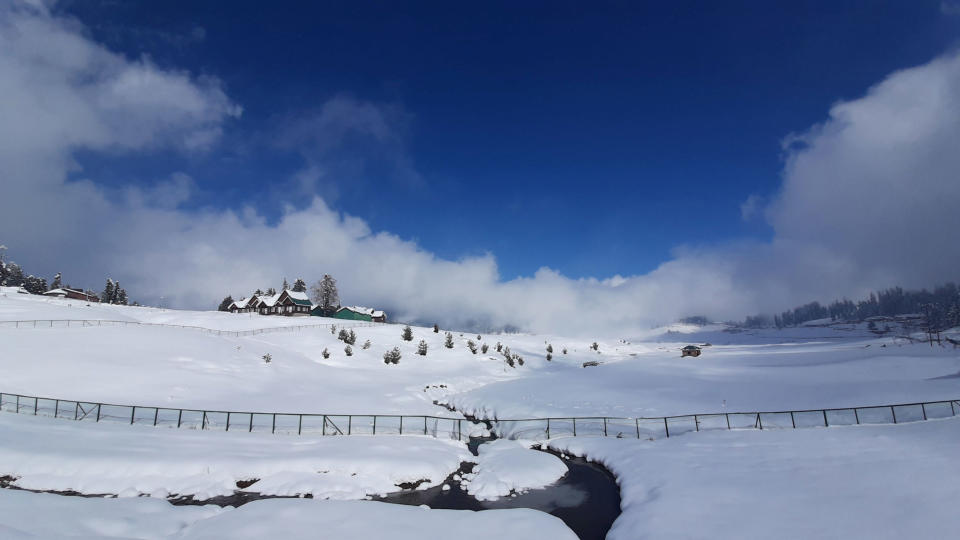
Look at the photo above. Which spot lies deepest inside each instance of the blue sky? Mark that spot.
(590, 139)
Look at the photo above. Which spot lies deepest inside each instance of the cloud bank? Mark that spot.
(869, 199)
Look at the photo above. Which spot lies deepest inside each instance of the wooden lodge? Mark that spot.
(690, 350)
(360, 313)
(73, 294)
(287, 302)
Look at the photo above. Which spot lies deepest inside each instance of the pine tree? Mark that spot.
(342, 336)
(366, 344)
(351, 337)
(107, 296)
(325, 294)
(325, 353)
(299, 285)
(57, 283)
(392, 356)
(225, 305)
(14, 275)
(436, 329)
(484, 348)
(286, 286)
(116, 293)
(448, 342)
(121, 297)
(549, 348)
(271, 292)
(422, 348)
(407, 333)
(472, 346)
(348, 350)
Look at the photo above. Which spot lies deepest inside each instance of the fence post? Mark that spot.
(98, 412)
(953, 412)
(459, 429)
(300, 426)
(349, 424)
(548, 429)
(323, 430)
(76, 410)
(728, 419)
(374, 424)
(251, 423)
(36, 402)
(825, 422)
(156, 414)
(924, 409)
(273, 427)
(228, 421)
(894, 413)
(666, 428)
(856, 416)
(401, 424)
(424, 425)
(18, 404)
(133, 411)
(179, 418)
(696, 423)
(56, 408)
(574, 427)
(793, 420)
(604, 426)
(203, 422)
(636, 421)
(759, 421)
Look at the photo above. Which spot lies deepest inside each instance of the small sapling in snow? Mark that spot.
(366, 344)
(448, 343)
(407, 333)
(472, 346)
(392, 356)
(422, 348)
(267, 358)
(348, 350)
(325, 353)
(484, 348)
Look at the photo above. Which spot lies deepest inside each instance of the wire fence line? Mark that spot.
(66, 323)
(463, 428)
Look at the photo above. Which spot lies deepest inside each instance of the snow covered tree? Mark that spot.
(366, 344)
(325, 294)
(436, 329)
(499, 347)
(407, 333)
(351, 338)
(325, 353)
(448, 342)
(342, 336)
(422, 348)
(107, 296)
(348, 350)
(285, 285)
(472, 346)
(392, 356)
(35, 285)
(57, 282)
(299, 285)
(14, 275)
(484, 348)
(595, 346)
(271, 291)
(225, 305)
(549, 348)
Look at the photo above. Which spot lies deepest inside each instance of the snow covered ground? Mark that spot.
(26, 515)
(755, 484)
(839, 482)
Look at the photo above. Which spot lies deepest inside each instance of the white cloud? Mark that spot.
(869, 199)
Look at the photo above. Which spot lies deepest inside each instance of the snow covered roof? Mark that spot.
(366, 311)
(298, 295)
(241, 303)
(56, 292)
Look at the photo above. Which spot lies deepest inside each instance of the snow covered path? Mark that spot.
(844, 482)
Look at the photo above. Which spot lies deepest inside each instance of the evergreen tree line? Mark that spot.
(939, 307)
(12, 275)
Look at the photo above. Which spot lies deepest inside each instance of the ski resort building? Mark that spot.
(360, 313)
(73, 294)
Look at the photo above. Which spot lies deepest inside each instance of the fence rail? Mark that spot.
(453, 428)
(66, 323)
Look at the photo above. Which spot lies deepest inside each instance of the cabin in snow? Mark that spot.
(690, 350)
(286, 302)
(72, 294)
(360, 313)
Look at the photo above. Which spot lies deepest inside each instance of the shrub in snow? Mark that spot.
(392, 356)
(499, 347)
(564, 351)
(549, 348)
(549, 357)
(472, 346)
(484, 348)
(436, 329)
(407, 333)
(422, 348)
(267, 358)
(325, 353)
(342, 336)
(351, 338)
(448, 343)
(518, 359)
(366, 344)
(510, 361)
(333, 329)
(595, 346)
(348, 350)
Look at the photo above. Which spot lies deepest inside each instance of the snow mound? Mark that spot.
(507, 466)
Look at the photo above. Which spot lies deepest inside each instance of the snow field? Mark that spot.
(839, 482)
(26, 515)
